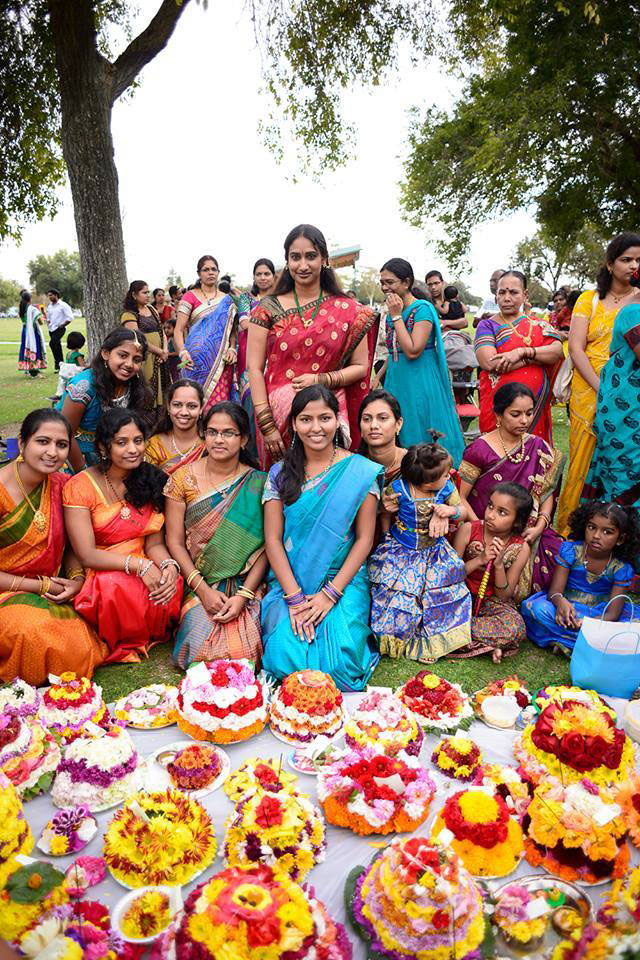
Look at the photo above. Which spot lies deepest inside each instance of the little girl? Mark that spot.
(495, 555)
(594, 566)
(421, 607)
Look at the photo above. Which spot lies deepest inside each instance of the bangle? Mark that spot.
(331, 585)
(170, 562)
(503, 587)
(553, 596)
(144, 567)
(456, 515)
(545, 520)
(127, 561)
(396, 319)
(45, 585)
(194, 586)
(330, 593)
(191, 577)
(76, 572)
(15, 587)
(295, 599)
(245, 593)
(263, 403)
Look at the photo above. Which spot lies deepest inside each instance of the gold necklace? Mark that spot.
(518, 333)
(586, 562)
(308, 479)
(223, 483)
(39, 520)
(183, 453)
(514, 458)
(209, 300)
(125, 511)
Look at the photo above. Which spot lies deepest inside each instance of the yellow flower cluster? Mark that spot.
(558, 694)
(478, 807)
(59, 844)
(431, 681)
(525, 930)
(61, 692)
(585, 719)
(15, 835)
(599, 948)
(462, 746)
(621, 907)
(627, 797)
(148, 915)
(17, 918)
(553, 820)
(498, 861)
(245, 779)
(602, 776)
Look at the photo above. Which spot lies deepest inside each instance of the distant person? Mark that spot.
(173, 360)
(33, 355)
(175, 293)
(139, 314)
(59, 316)
(489, 306)
(73, 362)
(560, 316)
(457, 345)
(162, 308)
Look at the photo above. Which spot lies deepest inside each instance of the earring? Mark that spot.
(106, 365)
(19, 458)
(293, 439)
(335, 441)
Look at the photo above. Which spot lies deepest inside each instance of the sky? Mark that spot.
(196, 176)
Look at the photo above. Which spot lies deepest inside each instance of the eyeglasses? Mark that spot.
(225, 434)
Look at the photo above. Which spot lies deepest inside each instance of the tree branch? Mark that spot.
(146, 46)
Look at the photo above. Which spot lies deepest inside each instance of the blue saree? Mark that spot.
(208, 339)
(319, 531)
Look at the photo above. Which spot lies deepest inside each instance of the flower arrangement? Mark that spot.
(628, 796)
(416, 901)
(576, 832)
(622, 908)
(507, 782)
(487, 839)
(68, 831)
(195, 767)
(97, 771)
(147, 916)
(383, 721)
(222, 701)
(307, 705)
(21, 698)
(438, 705)
(286, 831)
(79, 932)
(369, 792)
(571, 739)
(28, 894)
(512, 917)
(504, 687)
(69, 703)
(259, 775)
(28, 754)
(158, 838)
(559, 693)
(598, 942)
(15, 833)
(457, 757)
(252, 913)
(148, 707)
(83, 873)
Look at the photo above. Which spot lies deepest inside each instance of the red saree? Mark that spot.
(297, 345)
(115, 603)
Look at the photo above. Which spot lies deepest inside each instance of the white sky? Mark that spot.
(195, 177)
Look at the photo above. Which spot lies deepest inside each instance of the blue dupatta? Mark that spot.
(318, 534)
(207, 342)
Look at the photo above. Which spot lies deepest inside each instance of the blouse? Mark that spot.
(589, 588)
(411, 526)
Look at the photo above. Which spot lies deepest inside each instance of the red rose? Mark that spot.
(573, 743)
(266, 931)
(611, 756)
(269, 812)
(522, 699)
(440, 920)
(584, 762)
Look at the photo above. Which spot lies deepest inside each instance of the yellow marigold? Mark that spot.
(478, 807)
(526, 930)
(59, 844)
(431, 681)
(16, 918)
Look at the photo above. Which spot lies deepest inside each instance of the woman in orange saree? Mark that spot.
(40, 633)
(114, 520)
(177, 439)
(307, 332)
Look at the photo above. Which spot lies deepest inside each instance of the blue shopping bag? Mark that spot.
(606, 658)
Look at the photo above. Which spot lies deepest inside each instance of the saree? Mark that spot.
(582, 404)
(107, 594)
(156, 371)
(81, 389)
(207, 340)
(160, 456)
(33, 354)
(318, 535)
(313, 344)
(422, 386)
(224, 537)
(38, 637)
(504, 336)
(539, 472)
(615, 468)
(246, 303)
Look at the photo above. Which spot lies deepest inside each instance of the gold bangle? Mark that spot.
(194, 586)
(45, 585)
(192, 575)
(12, 588)
(245, 593)
(76, 572)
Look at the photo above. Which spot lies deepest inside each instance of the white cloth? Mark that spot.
(32, 331)
(489, 306)
(58, 314)
(344, 848)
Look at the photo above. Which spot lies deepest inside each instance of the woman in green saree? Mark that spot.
(214, 530)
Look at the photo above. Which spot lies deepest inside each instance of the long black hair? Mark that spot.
(25, 300)
(240, 418)
(290, 479)
(508, 392)
(130, 302)
(144, 484)
(262, 262)
(390, 401)
(328, 280)
(615, 249)
(522, 499)
(514, 273)
(104, 381)
(164, 424)
(34, 420)
(625, 519)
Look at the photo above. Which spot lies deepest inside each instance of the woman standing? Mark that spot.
(308, 332)
(114, 379)
(589, 340)
(140, 315)
(164, 310)
(215, 532)
(177, 440)
(264, 274)
(39, 631)
(416, 372)
(321, 502)
(380, 420)
(206, 334)
(113, 514)
(33, 353)
(514, 347)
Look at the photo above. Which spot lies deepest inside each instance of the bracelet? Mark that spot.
(76, 572)
(295, 599)
(127, 561)
(456, 515)
(170, 562)
(192, 575)
(144, 567)
(553, 596)
(331, 585)
(330, 593)
(194, 586)
(396, 319)
(263, 403)
(545, 520)
(15, 587)
(245, 593)
(503, 587)
(45, 585)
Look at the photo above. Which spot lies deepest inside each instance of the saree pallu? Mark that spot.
(503, 337)
(246, 303)
(38, 637)
(155, 370)
(207, 341)
(539, 472)
(308, 344)
(33, 354)
(156, 453)
(225, 537)
(318, 535)
(117, 604)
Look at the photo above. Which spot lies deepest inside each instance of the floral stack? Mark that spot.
(159, 838)
(252, 913)
(195, 767)
(439, 706)
(628, 796)
(20, 697)
(29, 755)
(416, 902)
(148, 707)
(307, 705)
(79, 931)
(504, 687)
(369, 792)
(69, 703)
(256, 774)
(28, 894)
(97, 771)
(520, 925)
(15, 834)
(147, 916)
(222, 701)
(622, 907)
(507, 782)
(480, 829)
(457, 757)
(576, 832)
(598, 942)
(383, 721)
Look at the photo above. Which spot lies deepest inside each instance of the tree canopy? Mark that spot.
(60, 271)
(9, 293)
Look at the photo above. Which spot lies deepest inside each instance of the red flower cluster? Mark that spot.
(430, 702)
(61, 703)
(485, 835)
(417, 856)
(363, 772)
(460, 759)
(317, 701)
(577, 750)
(10, 730)
(269, 812)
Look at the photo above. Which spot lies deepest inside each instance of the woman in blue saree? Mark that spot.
(320, 515)
(416, 370)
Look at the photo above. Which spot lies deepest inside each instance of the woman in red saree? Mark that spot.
(40, 633)
(307, 332)
(114, 520)
(512, 346)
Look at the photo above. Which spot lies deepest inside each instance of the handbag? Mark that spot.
(564, 376)
(605, 657)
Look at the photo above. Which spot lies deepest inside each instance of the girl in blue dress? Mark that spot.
(421, 606)
(594, 567)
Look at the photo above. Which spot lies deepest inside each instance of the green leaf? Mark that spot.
(18, 883)
(43, 785)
